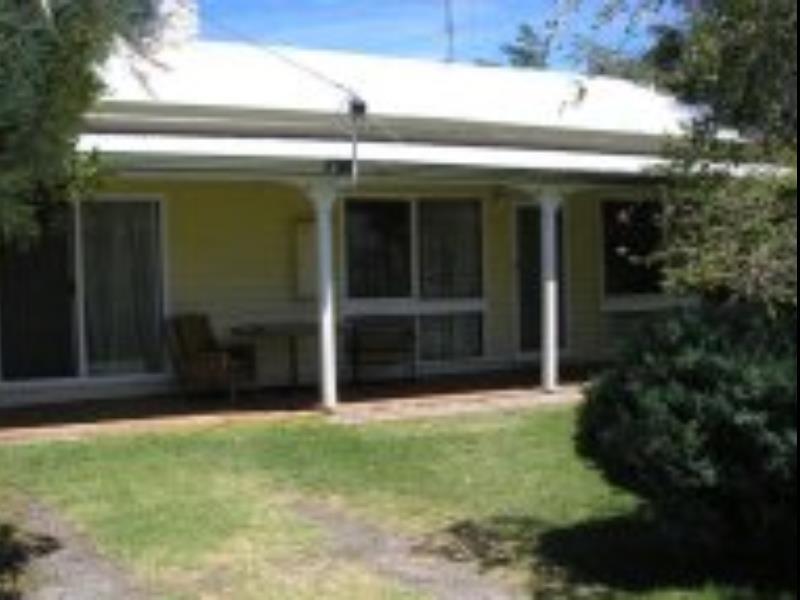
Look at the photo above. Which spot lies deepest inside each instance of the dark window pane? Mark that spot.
(451, 336)
(631, 235)
(381, 347)
(450, 249)
(378, 249)
(37, 300)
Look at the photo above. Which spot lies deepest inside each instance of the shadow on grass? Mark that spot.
(17, 550)
(604, 558)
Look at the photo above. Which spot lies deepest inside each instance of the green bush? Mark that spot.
(699, 419)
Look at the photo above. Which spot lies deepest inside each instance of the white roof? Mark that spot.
(235, 76)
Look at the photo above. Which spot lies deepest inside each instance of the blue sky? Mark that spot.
(397, 27)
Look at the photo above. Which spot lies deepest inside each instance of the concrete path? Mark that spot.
(72, 569)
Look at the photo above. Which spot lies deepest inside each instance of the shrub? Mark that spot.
(699, 419)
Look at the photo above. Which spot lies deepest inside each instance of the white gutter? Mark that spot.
(133, 148)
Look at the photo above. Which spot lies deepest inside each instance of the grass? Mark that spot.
(209, 513)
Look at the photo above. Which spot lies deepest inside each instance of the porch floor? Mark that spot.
(365, 403)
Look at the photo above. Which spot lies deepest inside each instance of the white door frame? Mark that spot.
(82, 375)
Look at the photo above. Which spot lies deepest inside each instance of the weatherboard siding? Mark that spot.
(588, 336)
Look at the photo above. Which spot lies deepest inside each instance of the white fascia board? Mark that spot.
(130, 147)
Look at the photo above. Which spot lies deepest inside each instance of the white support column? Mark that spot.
(323, 196)
(550, 204)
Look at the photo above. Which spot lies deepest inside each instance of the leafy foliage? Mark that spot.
(603, 60)
(700, 419)
(48, 62)
(734, 235)
(529, 48)
(731, 238)
(739, 57)
(730, 233)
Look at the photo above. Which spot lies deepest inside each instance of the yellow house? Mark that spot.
(485, 213)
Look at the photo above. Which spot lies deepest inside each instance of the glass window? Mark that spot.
(446, 239)
(450, 249)
(381, 346)
(632, 233)
(451, 336)
(378, 249)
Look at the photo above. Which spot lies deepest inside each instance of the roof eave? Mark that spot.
(160, 118)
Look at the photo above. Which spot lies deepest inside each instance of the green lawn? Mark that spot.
(210, 513)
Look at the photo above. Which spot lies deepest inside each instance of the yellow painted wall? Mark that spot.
(230, 254)
(584, 253)
(597, 329)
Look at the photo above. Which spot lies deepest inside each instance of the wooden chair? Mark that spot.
(201, 364)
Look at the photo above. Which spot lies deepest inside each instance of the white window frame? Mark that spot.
(414, 305)
(389, 302)
(83, 377)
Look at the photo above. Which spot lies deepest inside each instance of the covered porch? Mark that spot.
(490, 259)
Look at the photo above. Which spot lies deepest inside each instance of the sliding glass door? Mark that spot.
(85, 297)
(122, 287)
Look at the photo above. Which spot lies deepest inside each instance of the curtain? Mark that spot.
(122, 279)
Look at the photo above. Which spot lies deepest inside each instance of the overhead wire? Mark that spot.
(354, 117)
(356, 105)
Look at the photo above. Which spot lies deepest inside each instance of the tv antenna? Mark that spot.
(450, 30)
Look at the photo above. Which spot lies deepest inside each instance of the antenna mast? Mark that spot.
(450, 30)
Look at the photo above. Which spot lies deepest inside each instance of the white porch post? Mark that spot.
(550, 204)
(323, 196)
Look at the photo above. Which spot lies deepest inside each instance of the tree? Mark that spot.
(529, 48)
(740, 59)
(602, 60)
(647, 66)
(49, 52)
(699, 418)
(729, 235)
